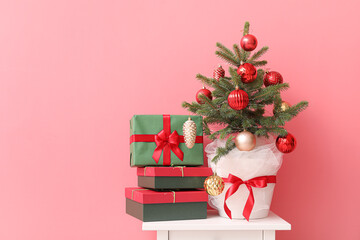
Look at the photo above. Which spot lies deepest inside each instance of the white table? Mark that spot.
(218, 228)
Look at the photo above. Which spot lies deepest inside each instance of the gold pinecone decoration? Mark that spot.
(189, 131)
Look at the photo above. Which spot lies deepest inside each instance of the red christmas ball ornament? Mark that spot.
(272, 78)
(219, 73)
(248, 42)
(238, 99)
(205, 92)
(247, 72)
(286, 144)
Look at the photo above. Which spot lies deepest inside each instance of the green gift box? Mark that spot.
(157, 140)
(170, 178)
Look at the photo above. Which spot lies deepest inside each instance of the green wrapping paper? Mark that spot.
(147, 126)
(166, 211)
(173, 183)
(171, 178)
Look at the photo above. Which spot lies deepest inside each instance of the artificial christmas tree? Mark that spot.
(237, 104)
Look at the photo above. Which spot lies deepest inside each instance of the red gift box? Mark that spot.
(149, 205)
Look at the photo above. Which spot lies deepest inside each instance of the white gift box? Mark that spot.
(263, 160)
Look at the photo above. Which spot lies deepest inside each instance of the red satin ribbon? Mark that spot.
(258, 182)
(165, 142)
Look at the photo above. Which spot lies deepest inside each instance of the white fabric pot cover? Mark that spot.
(263, 160)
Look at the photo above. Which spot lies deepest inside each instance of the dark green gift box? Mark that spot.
(146, 129)
(148, 205)
(170, 178)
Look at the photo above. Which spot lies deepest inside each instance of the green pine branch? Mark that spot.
(277, 103)
(259, 63)
(236, 79)
(287, 115)
(222, 151)
(225, 49)
(192, 107)
(222, 133)
(244, 55)
(237, 51)
(258, 54)
(226, 112)
(226, 84)
(230, 59)
(264, 131)
(270, 91)
(296, 109)
(211, 82)
(246, 28)
(257, 83)
(218, 94)
(218, 100)
(207, 101)
(206, 127)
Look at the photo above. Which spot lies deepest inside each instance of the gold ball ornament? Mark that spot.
(214, 185)
(245, 141)
(284, 106)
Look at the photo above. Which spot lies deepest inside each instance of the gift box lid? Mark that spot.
(147, 196)
(174, 171)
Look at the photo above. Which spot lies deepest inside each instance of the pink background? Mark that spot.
(73, 73)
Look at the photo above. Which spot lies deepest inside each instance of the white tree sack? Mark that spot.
(263, 160)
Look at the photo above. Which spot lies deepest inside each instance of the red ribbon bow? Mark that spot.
(167, 142)
(258, 182)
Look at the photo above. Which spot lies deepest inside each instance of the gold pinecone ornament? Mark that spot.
(214, 185)
(189, 131)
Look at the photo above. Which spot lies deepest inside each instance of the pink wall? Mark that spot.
(72, 74)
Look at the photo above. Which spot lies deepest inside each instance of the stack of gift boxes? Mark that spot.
(170, 175)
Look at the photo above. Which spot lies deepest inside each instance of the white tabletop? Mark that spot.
(215, 222)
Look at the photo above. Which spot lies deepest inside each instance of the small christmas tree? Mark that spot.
(238, 101)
